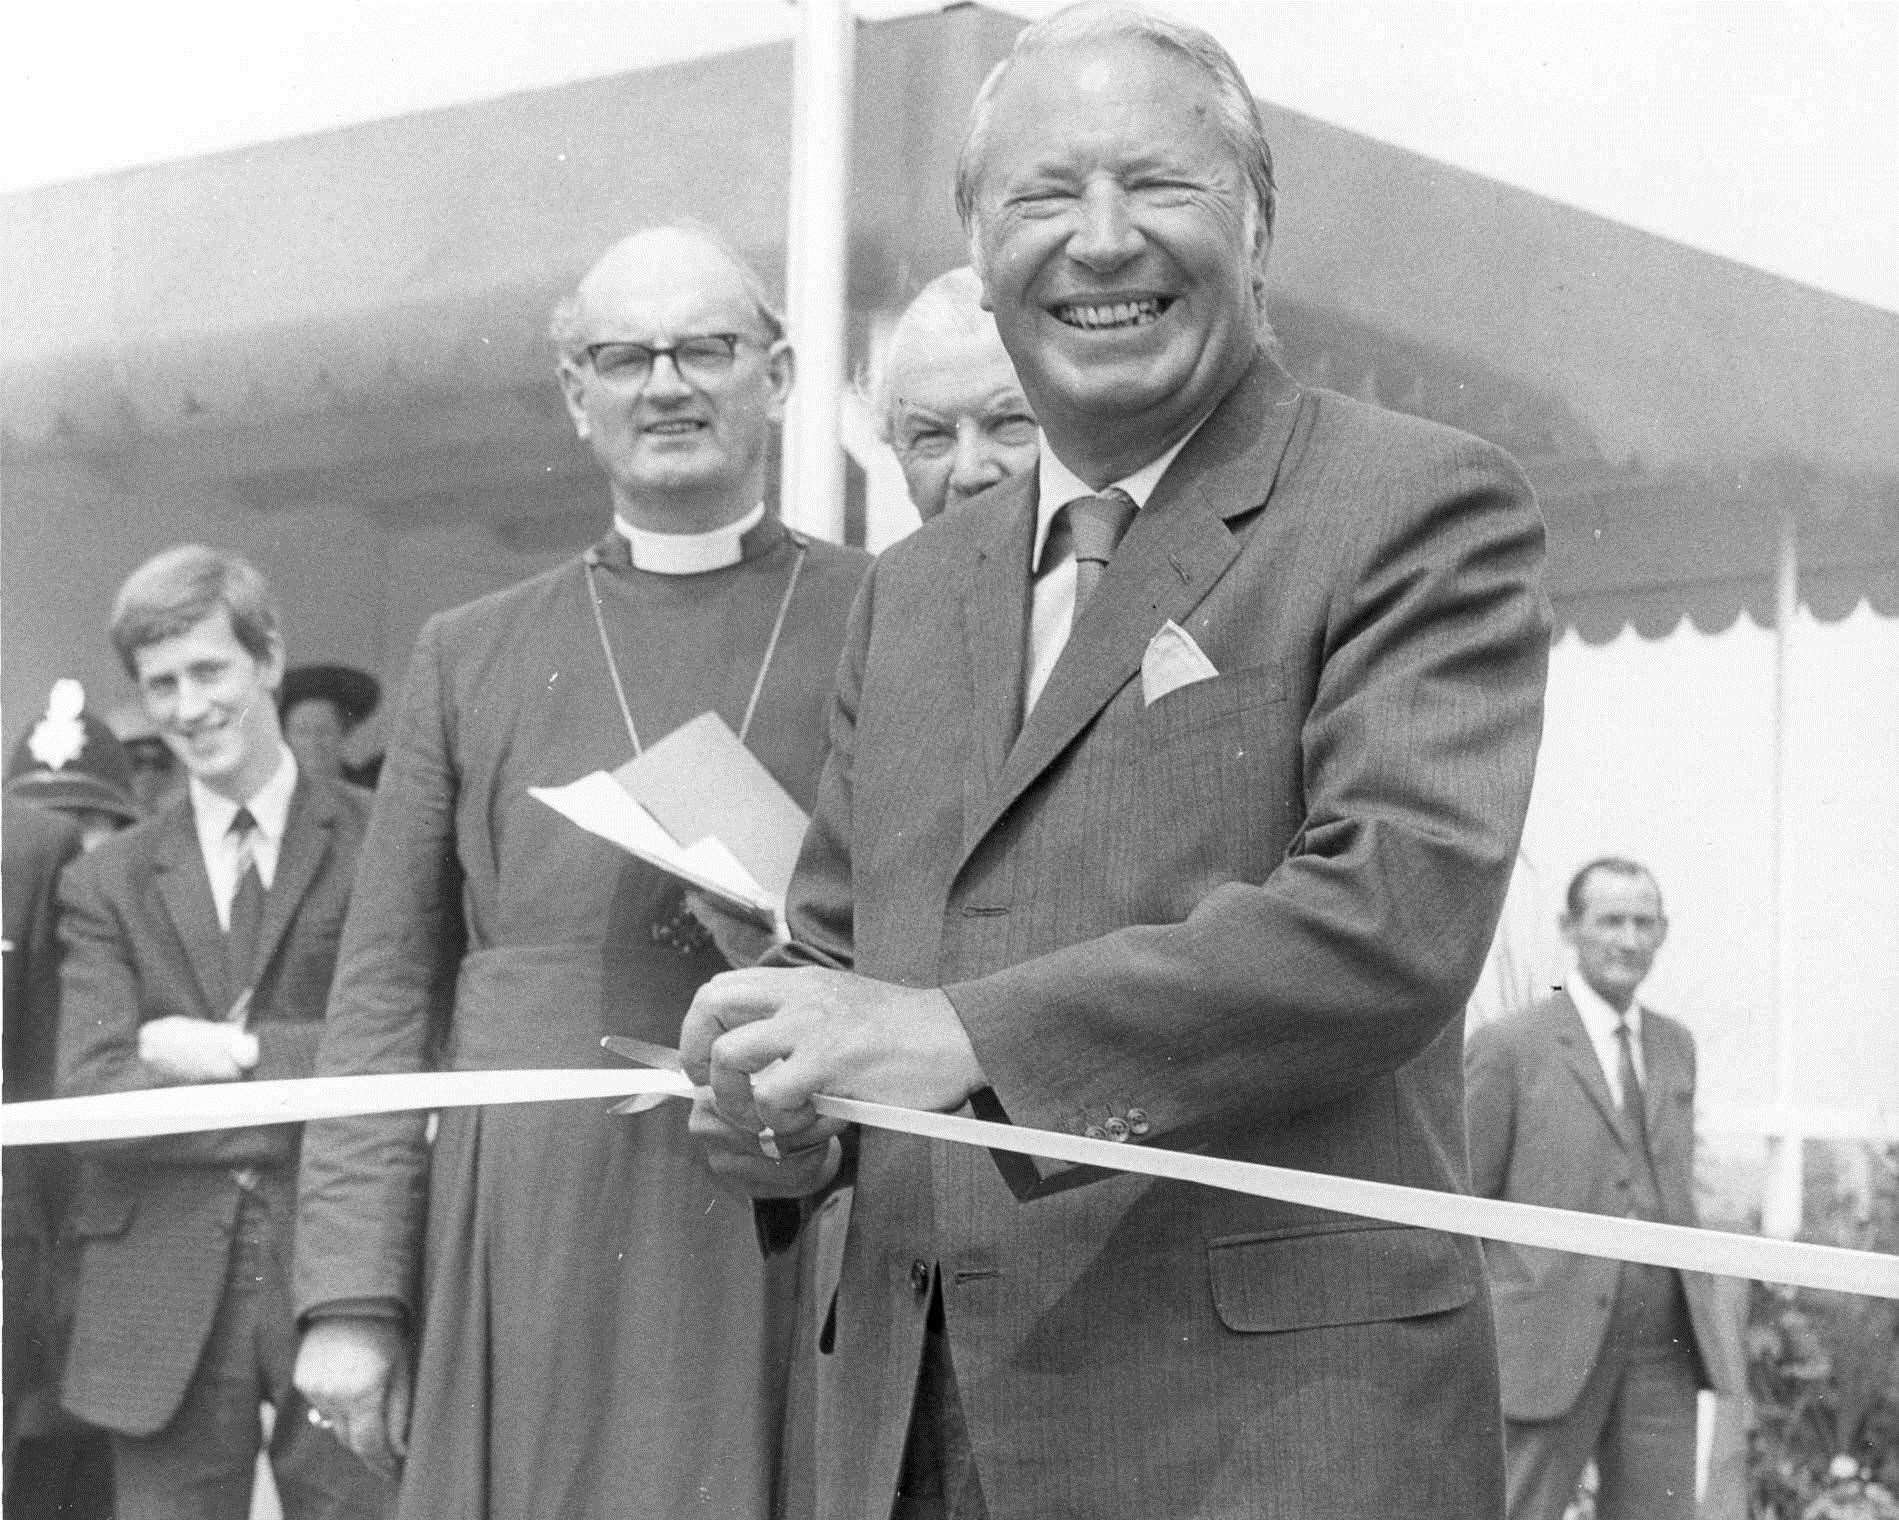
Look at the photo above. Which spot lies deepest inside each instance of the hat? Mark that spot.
(71, 762)
(355, 692)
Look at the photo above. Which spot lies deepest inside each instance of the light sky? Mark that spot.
(1762, 130)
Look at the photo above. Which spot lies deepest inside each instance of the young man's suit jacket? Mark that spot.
(1243, 920)
(142, 942)
(1544, 1128)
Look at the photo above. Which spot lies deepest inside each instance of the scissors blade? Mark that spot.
(643, 1052)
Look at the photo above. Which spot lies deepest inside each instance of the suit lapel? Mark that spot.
(306, 841)
(1580, 1056)
(1179, 546)
(1661, 1075)
(185, 890)
(995, 624)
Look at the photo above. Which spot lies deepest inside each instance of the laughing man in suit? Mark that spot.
(1201, 849)
(199, 948)
(1586, 1101)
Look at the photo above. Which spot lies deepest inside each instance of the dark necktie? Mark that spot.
(1096, 524)
(1631, 1084)
(247, 907)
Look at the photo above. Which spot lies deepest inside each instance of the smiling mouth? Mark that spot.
(1109, 315)
(675, 428)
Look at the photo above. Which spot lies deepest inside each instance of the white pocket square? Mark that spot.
(1172, 661)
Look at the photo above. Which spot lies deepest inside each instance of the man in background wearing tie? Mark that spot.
(199, 948)
(1586, 1101)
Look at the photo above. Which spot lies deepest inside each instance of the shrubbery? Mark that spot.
(1823, 1368)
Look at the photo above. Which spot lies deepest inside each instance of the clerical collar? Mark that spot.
(687, 553)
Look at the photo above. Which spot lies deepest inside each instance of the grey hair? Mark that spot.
(948, 308)
(564, 326)
(1236, 113)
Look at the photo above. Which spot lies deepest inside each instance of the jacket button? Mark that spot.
(1095, 1132)
(920, 1276)
(1117, 1128)
(1138, 1123)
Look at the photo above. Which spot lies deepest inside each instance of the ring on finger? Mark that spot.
(319, 1419)
(768, 1143)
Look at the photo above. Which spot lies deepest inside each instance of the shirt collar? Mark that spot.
(1598, 1017)
(269, 804)
(687, 553)
(1057, 485)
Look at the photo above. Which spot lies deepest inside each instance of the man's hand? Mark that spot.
(767, 1040)
(353, 1370)
(800, 1161)
(742, 942)
(181, 1049)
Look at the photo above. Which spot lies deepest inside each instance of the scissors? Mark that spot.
(645, 1053)
(642, 1053)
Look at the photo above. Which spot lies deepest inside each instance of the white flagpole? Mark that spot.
(817, 251)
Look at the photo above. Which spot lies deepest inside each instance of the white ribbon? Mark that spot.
(182, 1110)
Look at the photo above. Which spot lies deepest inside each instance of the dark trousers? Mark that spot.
(938, 1479)
(202, 1464)
(1635, 1416)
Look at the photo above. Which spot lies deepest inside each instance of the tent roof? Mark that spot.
(355, 317)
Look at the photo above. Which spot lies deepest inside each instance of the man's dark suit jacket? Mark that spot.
(1544, 1128)
(1243, 920)
(142, 942)
(38, 846)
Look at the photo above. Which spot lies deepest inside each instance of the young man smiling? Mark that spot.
(199, 948)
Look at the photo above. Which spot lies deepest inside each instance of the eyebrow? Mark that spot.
(1008, 396)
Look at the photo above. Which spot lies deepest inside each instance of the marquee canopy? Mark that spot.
(355, 316)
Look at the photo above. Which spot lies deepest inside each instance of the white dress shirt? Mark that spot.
(1052, 603)
(1601, 1020)
(223, 856)
(688, 553)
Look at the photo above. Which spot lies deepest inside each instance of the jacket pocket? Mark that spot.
(1215, 702)
(1335, 1274)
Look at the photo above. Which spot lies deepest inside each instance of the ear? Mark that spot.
(781, 372)
(1262, 249)
(573, 389)
(972, 240)
(273, 665)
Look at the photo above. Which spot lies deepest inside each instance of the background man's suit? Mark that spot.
(1544, 1128)
(1243, 919)
(156, 1216)
(54, 1465)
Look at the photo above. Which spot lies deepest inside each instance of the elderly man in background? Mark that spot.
(1192, 837)
(947, 400)
(1587, 1101)
(198, 949)
(593, 1326)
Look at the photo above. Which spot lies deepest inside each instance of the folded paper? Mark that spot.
(701, 807)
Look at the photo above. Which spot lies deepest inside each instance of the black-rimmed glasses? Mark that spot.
(703, 359)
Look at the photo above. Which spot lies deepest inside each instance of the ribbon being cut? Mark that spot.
(170, 1111)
